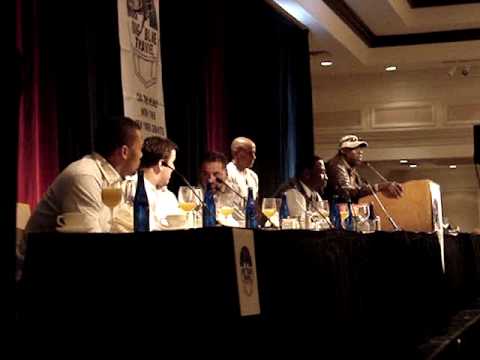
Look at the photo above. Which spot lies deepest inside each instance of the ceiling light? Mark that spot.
(326, 58)
(452, 166)
(403, 161)
(413, 165)
(391, 68)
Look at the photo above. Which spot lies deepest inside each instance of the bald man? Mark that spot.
(238, 170)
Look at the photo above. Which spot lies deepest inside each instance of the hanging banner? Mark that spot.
(139, 29)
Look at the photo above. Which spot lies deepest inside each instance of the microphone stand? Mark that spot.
(323, 216)
(376, 172)
(394, 224)
(220, 180)
(184, 179)
(389, 217)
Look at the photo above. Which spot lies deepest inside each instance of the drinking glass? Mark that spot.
(321, 212)
(186, 202)
(270, 207)
(224, 205)
(111, 197)
(362, 213)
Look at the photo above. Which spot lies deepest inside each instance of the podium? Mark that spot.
(419, 209)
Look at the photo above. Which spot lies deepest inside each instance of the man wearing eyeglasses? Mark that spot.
(343, 177)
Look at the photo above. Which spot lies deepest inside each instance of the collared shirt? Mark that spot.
(161, 202)
(78, 188)
(224, 196)
(243, 179)
(299, 195)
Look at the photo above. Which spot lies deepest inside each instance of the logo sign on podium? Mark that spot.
(246, 270)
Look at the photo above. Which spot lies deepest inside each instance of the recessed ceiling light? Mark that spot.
(326, 63)
(453, 166)
(413, 165)
(403, 161)
(391, 68)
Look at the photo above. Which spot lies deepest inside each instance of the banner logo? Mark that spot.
(144, 38)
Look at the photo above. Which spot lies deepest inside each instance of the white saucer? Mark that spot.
(72, 229)
(183, 227)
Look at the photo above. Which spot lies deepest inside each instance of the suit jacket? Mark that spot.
(344, 181)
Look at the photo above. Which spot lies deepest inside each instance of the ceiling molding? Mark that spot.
(356, 24)
(431, 3)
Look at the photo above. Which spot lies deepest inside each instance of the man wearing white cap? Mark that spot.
(343, 177)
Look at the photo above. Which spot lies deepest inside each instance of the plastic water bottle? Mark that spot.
(284, 213)
(373, 220)
(250, 211)
(209, 213)
(335, 214)
(141, 210)
(350, 220)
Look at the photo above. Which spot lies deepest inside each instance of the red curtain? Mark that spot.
(37, 156)
(216, 122)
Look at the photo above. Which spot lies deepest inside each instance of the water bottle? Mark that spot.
(284, 213)
(373, 220)
(350, 220)
(209, 212)
(141, 211)
(335, 214)
(250, 211)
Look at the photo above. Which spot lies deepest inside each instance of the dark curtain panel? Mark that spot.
(269, 99)
(236, 71)
(37, 150)
(88, 72)
(184, 46)
(226, 72)
(71, 80)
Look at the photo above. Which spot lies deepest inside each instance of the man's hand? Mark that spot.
(391, 189)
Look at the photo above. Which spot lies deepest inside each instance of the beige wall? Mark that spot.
(414, 115)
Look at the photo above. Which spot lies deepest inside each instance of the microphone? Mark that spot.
(184, 179)
(376, 171)
(220, 180)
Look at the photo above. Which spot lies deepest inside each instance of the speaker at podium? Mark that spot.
(418, 210)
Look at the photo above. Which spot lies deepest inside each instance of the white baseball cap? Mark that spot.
(351, 142)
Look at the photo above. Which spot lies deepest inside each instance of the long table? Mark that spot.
(352, 288)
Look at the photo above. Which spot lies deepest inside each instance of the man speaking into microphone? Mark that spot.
(213, 170)
(343, 177)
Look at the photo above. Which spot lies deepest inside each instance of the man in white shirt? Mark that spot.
(307, 186)
(78, 188)
(213, 170)
(158, 162)
(238, 170)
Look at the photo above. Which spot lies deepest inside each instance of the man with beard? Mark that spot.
(344, 179)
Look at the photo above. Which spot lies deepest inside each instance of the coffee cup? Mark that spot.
(176, 220)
